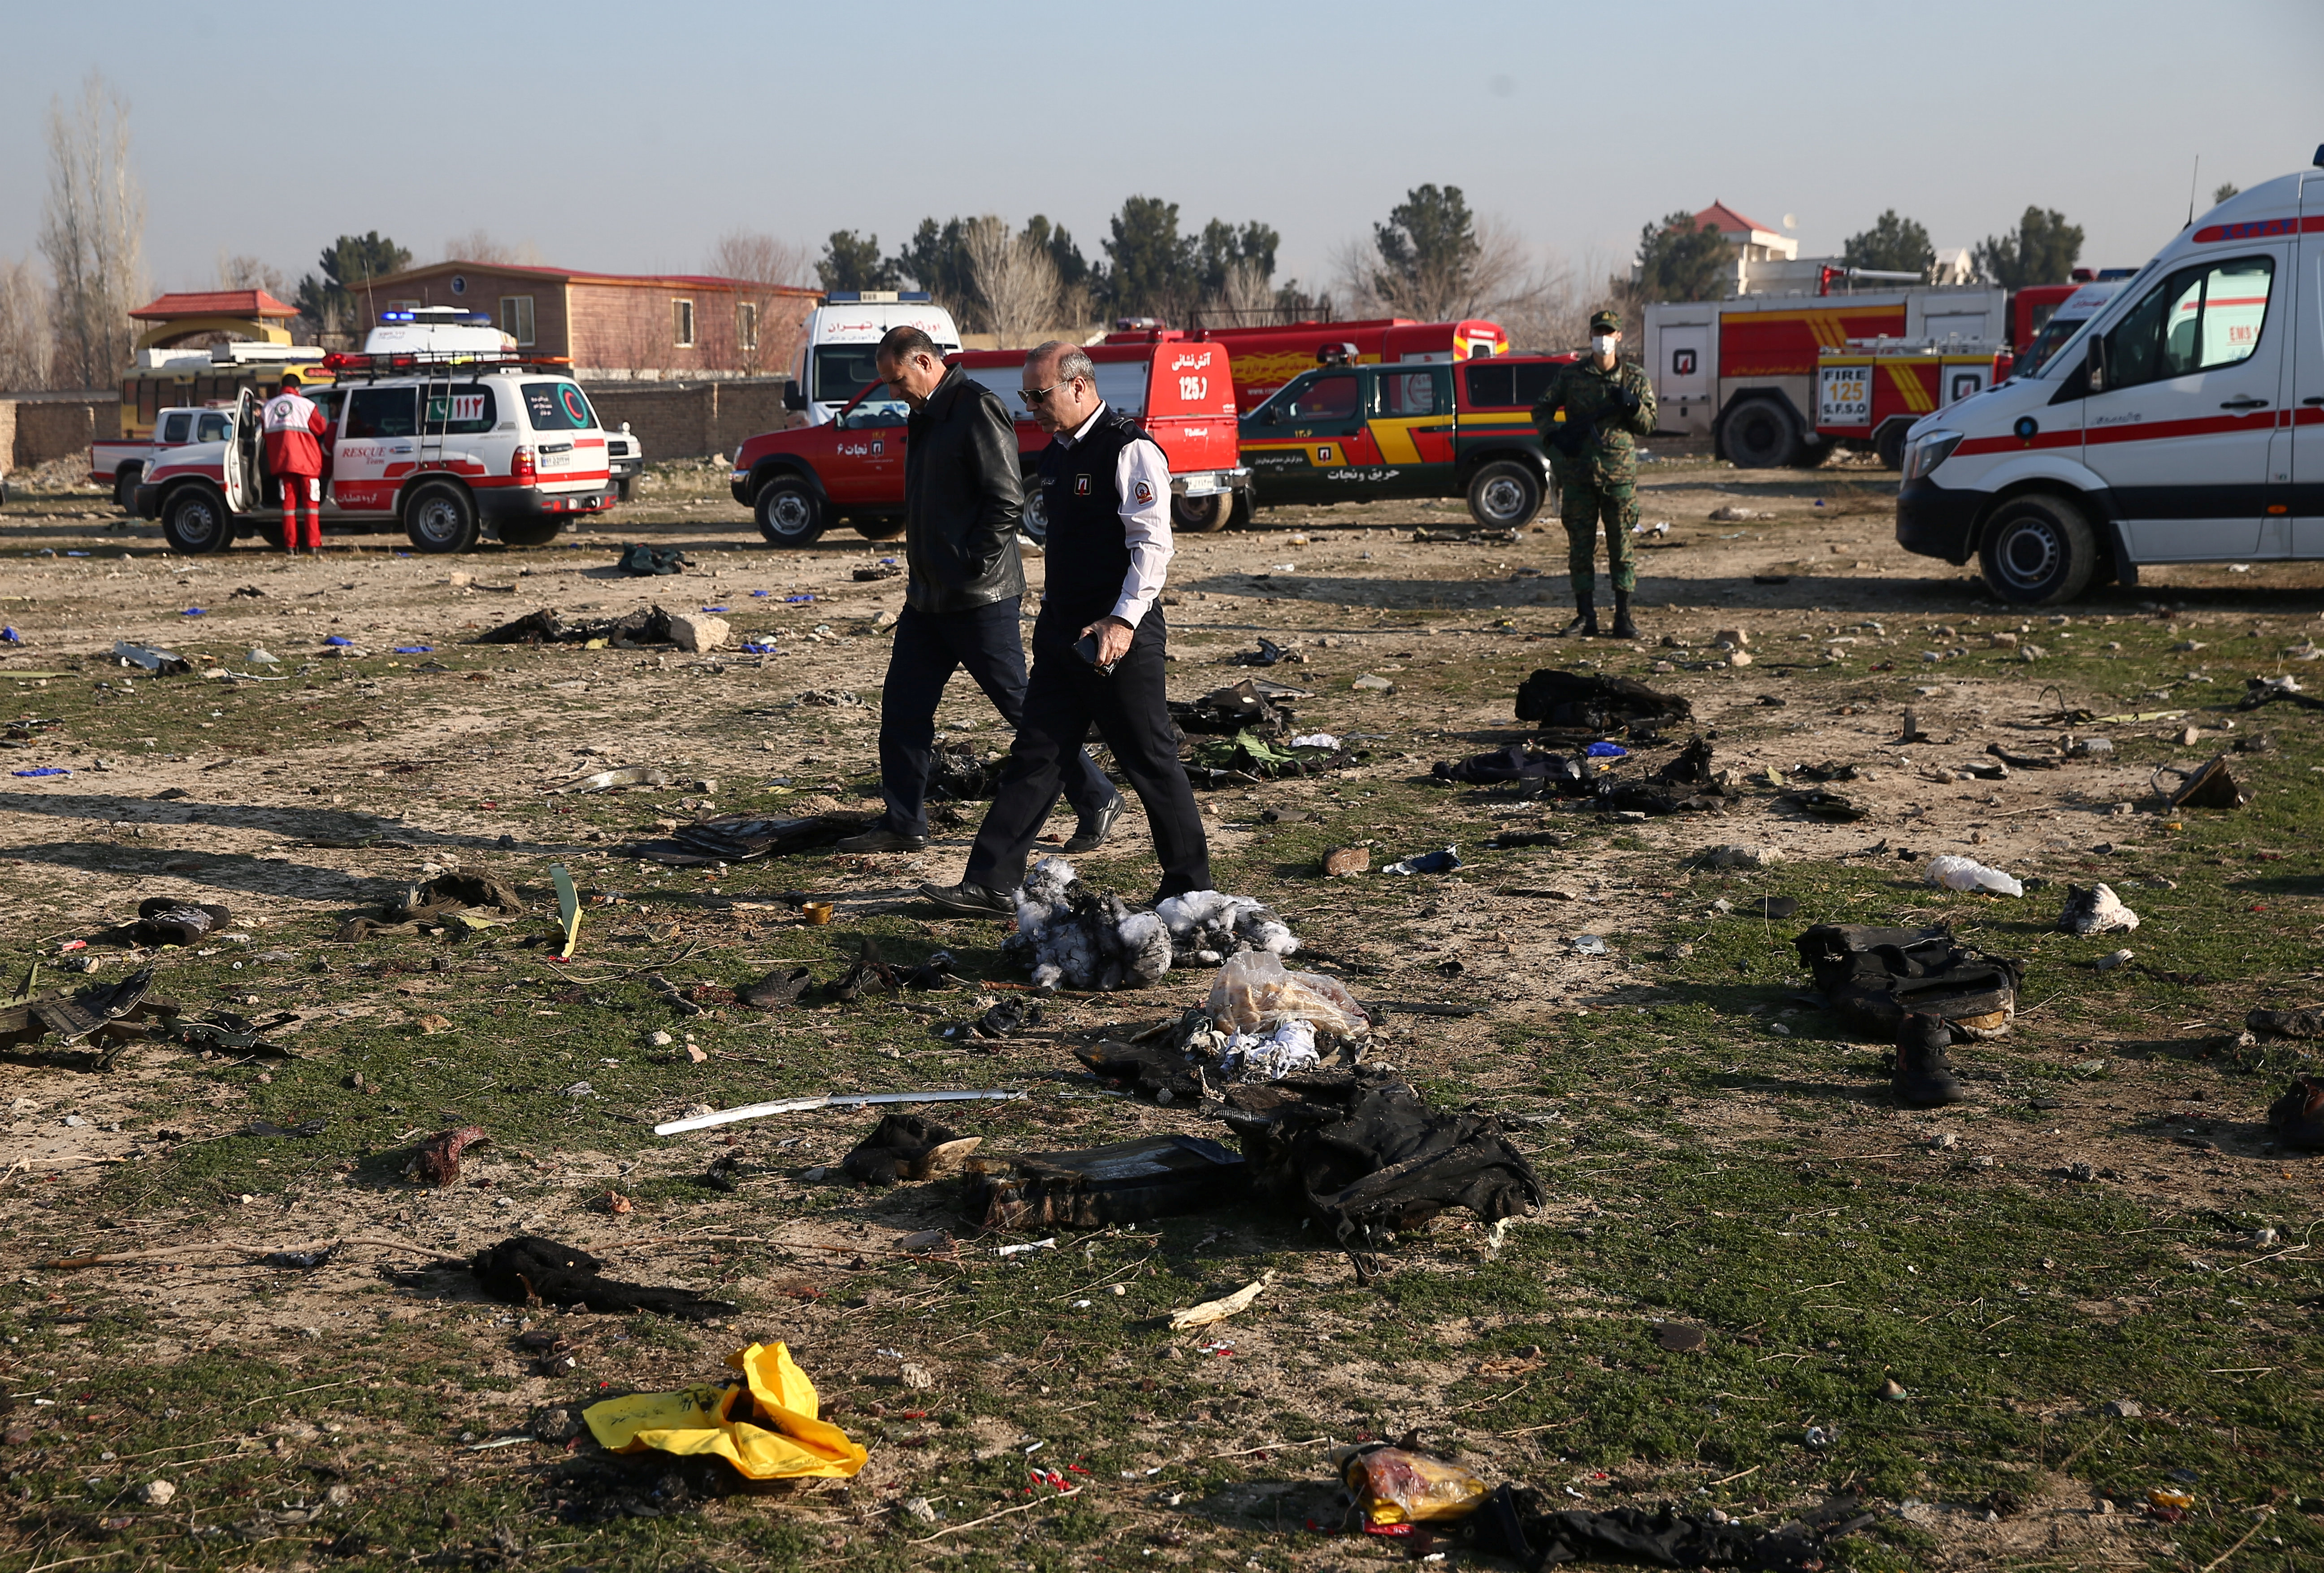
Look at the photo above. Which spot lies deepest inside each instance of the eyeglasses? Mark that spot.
(1034, 396)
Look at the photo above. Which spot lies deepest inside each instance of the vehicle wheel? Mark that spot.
(790, 513)
(195, 522)
(1504, 495)
(2039, 550)
(1245, 506)
(1035, 520)
(621, 487)
(1198, 515)
(1761, 435)
(530, 532)
(440, 517)
(125, 487)
(878, 527)
(1889, 445)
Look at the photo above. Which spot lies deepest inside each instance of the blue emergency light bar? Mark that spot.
(856, 297)
(395, 316)
(441, 314)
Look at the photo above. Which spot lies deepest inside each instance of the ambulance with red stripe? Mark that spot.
(2184, 423)
(446, 441)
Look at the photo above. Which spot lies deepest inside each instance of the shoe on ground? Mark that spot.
(1923, 1077)
(1624, 628)
(1090, 833)
(968, 901)
(1585, 622)
(2298, 1117)
(880, 839)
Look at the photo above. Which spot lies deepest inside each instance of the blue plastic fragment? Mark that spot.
(762, 594)
(414, 649)
(46, 770)
(1608, 752)
(9, 636)
(194, 611)
(797, 600)
(759, 647)
(715, 609)
(338, 639)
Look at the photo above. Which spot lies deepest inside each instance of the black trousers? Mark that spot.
(1065, 697)
(929, 647)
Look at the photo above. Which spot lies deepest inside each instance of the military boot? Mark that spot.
(1585, 618)
(1923, 1077)
(1624, 628)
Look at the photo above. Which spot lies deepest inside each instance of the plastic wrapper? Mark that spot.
(1254, 990)
(1969, 874)
(1392, 1486)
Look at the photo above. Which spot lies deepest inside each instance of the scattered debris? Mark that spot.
(776, 989)
(2297, 1117)
(1395, 1486)
(608, 780)
(438, 1161)
(905, 1146)
(1955, 873)
(1601, 706)
(1153, 1177)
(1818, 803)
(1219, 1310)
(1923, 1077)
(1739, 855)
(529, 1270)
(741, 838)
(1344, 862)
(1443, 862)
(648, 626)
(1005, 1019)
(161, 663)
(694, 1122)
(1254, 991)
(1520, 1524)
(2209, 786)
(2287, 1024)
(1875, 977)
(766, 1426)
(640, 561)
(2096, 910)
(427, 906)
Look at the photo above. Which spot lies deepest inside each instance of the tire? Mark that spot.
(1505, 495)
(2039, 550)
(621, 487)
(879, 527)
(440, 518)
(125, 487)
(1889, 445)
(1200, 515)
(1760, 433)
(195, 522)
(1034, 522)
(530, 532)
(789, 511)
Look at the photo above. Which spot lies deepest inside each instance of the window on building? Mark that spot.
(516, 318)
(746, 325)
(681, 322)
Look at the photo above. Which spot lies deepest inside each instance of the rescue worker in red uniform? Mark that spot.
(295, 428)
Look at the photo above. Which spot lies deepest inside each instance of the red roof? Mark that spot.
(215, 303)
(1727, 221)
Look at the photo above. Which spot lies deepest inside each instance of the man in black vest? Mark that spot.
(1097, 644)
(960, 507)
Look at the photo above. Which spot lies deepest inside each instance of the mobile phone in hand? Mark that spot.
(1086, 649)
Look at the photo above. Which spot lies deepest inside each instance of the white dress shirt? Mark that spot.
(1142, 480)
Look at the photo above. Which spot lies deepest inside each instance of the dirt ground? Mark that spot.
(1682, 1095)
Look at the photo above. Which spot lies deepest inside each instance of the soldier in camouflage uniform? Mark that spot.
(1609, 404)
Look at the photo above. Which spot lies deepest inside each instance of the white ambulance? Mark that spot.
(843, 335)
(2184, 423)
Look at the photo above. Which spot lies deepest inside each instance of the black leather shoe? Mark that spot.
(1090, 833)
(1585, 622)
(968, 901)
(880, 839)
(1923, 1077)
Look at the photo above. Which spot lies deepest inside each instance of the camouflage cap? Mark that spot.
(1605, 322)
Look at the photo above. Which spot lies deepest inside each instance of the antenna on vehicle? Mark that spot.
(2192, 175)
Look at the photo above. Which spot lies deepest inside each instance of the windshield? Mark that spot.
(843, 371)
(555, 407)
(2054, 333)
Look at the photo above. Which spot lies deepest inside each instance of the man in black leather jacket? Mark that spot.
(962, 501)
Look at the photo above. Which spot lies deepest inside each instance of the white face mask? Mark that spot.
(1603, 343)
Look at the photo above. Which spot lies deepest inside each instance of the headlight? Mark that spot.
(1926, 452)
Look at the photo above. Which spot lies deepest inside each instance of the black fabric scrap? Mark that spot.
(776, 989)
(1691, 765)
(1818, 804)
(1152, 1071)
(740, 838)
(1228, 711)
(650, 626)
(1875, 977)
(1518, 763)
(526, 1268)
(1516, 1521)
(162, 920)
(1364, 1155)
(1602, 705)
(1645, 797)
(640, 561)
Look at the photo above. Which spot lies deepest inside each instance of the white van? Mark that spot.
(843, 335)
(2184, 423)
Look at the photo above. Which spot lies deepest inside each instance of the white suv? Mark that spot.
(447, 446)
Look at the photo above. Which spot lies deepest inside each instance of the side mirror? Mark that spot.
(2098, 362)
(794, 396)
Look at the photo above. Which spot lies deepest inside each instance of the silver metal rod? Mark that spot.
(835, 1100)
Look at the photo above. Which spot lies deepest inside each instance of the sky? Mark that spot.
(626, 138)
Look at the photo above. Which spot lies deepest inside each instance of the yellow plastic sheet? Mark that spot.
(702, 1419)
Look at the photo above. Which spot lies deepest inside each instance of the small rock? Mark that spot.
(698, 631)
(461, 581)
(2001, 641)
(1739, 855)
(2264, 1236)
(694, 1054)
(429, 1026)
(918, 1379)
(1370, 684)
(1345, 861)
(1893, 1391)
(1945, 1142)
(1739, 657)
(2121, 1409)
(658, 1039)
(554, 1425)
(919, 1510)
(884, 622)
(157, 1493)
(815, 1172)
(1733, 639)
(2102, 1507)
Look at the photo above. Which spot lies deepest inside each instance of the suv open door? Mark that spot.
(244, 474)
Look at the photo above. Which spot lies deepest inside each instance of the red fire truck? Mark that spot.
(801, 481)
(1265, 358)
(1871, 394)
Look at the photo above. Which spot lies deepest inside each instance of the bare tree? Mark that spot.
(763, 337)
(243, 272)
(1441, 285)
(1015, 277)
(92, 232)
(1245, 297)
(26, 349)
(480, 247)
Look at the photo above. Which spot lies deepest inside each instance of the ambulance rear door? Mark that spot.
(2296, 469)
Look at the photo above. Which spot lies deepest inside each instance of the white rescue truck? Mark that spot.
(2183, 423)
(843, 336)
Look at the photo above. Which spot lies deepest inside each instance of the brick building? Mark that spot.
(619, 325)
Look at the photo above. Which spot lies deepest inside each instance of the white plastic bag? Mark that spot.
(1253, 989)
(1969, 874)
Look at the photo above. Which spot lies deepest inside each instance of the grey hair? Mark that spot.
(1070, 362)
(907, 340)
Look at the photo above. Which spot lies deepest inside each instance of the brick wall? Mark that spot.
(677, 420)
(34, 431)
(632, 328)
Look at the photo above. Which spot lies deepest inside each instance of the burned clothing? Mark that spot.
(526, 1269)
(1519, 1523)
(1156, 1177)
(1582, 701)
(1875, 977)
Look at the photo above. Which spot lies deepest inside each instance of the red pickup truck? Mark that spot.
(801, 481)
